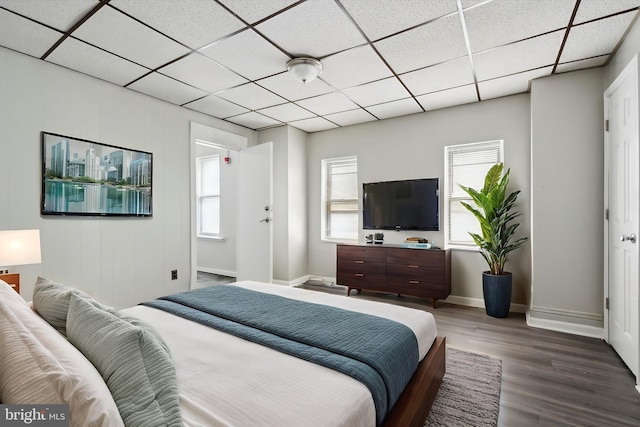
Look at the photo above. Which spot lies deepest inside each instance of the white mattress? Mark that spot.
(227, 381)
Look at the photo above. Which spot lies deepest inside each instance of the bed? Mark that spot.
(212, 378)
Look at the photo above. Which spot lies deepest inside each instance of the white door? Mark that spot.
(254, 249)
(623, 192)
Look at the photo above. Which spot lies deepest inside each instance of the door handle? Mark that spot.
(631, 238)
(267, 220)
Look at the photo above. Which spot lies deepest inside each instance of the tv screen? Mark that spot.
(81, 177)
(401, 205)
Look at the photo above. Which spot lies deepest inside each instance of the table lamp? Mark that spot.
(18, 247)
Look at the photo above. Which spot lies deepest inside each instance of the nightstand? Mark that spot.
(13, 280)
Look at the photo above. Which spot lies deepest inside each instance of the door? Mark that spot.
(621, 101)
(254, 250)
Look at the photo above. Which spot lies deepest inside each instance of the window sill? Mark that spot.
(212, 238)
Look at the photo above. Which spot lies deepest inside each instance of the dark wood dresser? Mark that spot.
(395, 269)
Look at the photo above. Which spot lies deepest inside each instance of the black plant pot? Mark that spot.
(497, 293)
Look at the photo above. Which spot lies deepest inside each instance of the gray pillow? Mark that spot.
(51, 302)
(134, 362)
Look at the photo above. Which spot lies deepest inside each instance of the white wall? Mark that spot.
(413, 147)
(567, 197)
(119, 261)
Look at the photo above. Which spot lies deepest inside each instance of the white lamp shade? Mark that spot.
(19, 247)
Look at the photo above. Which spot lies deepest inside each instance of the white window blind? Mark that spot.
(466, 164)
(340, 199)
(208, 194)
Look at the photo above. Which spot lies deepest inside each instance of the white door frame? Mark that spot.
(632, 67)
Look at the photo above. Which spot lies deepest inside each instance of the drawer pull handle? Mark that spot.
(359, 262)
(414, 282)
(413, 266)
(359, 275)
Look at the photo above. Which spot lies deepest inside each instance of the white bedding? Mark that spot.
(227, 381)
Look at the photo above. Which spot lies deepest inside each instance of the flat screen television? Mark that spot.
(401, 205)
(88, 178)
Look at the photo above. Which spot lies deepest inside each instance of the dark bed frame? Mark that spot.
(415, 402)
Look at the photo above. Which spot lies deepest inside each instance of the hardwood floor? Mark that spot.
(548, 378)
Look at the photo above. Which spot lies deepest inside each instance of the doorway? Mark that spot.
(622, 191)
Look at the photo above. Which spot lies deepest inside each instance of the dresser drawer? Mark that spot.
(421, 257)
(371, 275)
(420, 288)
(362, 253)
(415, 272)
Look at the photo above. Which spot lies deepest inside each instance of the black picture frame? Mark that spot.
(88, 178)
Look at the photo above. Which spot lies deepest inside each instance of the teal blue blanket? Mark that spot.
(380, 353)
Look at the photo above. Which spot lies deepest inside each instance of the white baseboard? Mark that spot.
(217, 271)
(566, 327)
(294, 282)
(477, 302)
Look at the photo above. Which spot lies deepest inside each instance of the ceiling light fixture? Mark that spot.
(304, 69)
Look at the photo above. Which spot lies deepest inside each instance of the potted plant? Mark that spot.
(494, 213)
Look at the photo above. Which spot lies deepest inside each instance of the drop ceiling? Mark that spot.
(381, 58)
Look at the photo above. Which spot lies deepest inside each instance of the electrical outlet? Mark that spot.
(174, 274)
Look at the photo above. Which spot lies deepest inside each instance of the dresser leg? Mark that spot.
(434, 302)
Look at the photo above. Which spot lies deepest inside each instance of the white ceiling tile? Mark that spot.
(254, 10)
(195, 23)
(251, 96)
(439, 41)
(510, 85)
(254, 120)
(593, 9)
(448, 98)
(354, 67)
(313, 28)
(440, 76)
(504, 21)
(166, 89)
(25, 36)
(316, 124)
(382, 18)
(396, 108)
(248, 54)
(517, 57)
(579, 65)
(595, 38)
(287, 112)
(326, 104)
(377, 92)
(352, 117)
(201, 72)
(62, 17)
(285, 85)
(132, 40)
(216, 107)
(90, 60)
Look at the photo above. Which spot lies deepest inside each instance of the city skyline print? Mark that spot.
(81, 177)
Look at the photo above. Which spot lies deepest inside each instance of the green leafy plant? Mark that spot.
(494, 213)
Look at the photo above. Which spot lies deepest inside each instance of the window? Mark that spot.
(340, 199)
(465, 164)
(208, 193)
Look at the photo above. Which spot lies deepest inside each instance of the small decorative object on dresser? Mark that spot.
(378, 238)
(391, 268)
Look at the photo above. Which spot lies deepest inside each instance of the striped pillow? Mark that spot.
(134, 362)
(39, 366)
(51, 302)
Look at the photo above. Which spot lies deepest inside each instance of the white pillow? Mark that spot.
(39, 366)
